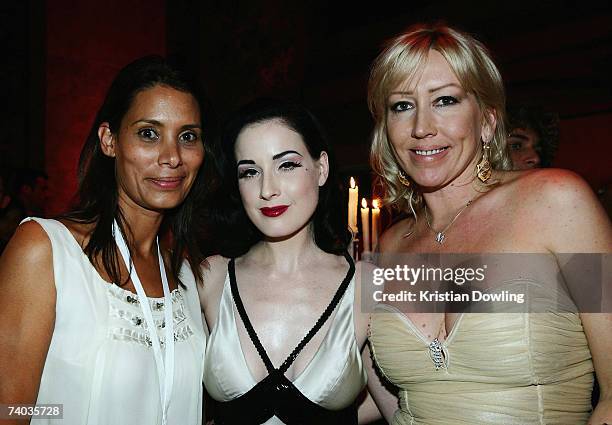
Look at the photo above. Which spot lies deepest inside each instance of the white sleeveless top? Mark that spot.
(100, 364)
(332, 379)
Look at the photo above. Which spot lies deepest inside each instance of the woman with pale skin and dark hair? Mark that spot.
(282, 302)
(81, 294)
(439, 151)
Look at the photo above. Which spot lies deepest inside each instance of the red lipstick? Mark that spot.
(274, 211)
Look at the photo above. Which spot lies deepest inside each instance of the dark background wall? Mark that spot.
(85, 47)
(22, 77)
(61, 56)
(555, 53)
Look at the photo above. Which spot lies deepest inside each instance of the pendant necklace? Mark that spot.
(441, 235)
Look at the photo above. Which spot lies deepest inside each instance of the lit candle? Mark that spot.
(365, 225)
(352, 206)
(375, 223)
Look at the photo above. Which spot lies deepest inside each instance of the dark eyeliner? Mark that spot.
(447, 100)
(245, 173)
(402, 106)
(289, 165)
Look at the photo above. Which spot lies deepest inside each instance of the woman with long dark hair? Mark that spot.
(282, 301)
(97, 313)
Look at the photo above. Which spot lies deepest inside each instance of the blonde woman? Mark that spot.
(438, 102)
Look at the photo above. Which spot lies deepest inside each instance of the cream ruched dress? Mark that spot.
(501, 368)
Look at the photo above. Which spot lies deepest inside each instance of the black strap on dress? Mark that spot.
(275, 394)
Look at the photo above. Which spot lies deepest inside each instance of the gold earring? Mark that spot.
(483, 168)
(403, 178)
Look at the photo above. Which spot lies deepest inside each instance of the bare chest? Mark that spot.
(281, 314)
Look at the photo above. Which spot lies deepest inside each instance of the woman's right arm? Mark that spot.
(27, 313)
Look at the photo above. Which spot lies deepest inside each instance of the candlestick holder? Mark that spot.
(355, 248)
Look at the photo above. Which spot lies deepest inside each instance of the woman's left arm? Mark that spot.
(579, 224)
(598, 329)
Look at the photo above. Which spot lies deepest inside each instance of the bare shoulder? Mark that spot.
(392, 238)
(540, 190)
(549, 184)
(26, 268)
(564, 209)
(27, 311)
(214, 271)
(29, 247)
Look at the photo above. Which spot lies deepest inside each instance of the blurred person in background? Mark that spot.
(533, 136)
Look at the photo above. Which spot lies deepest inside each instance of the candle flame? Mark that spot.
(352, 183)
(364, 203)
(375, 204)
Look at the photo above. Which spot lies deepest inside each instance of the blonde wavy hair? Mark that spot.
(401, 60)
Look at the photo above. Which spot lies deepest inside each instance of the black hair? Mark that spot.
(545, 124)
(235, 233)
(97, 195)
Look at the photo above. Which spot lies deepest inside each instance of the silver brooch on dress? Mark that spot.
(436, 353)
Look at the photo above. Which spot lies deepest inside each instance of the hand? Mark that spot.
(602, 415)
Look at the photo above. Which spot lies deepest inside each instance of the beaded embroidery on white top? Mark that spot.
(128, 324)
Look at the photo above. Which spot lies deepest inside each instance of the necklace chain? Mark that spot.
(441, 235)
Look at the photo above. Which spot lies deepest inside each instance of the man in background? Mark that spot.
(533, 136)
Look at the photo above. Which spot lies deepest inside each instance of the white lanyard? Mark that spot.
(165, 369)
